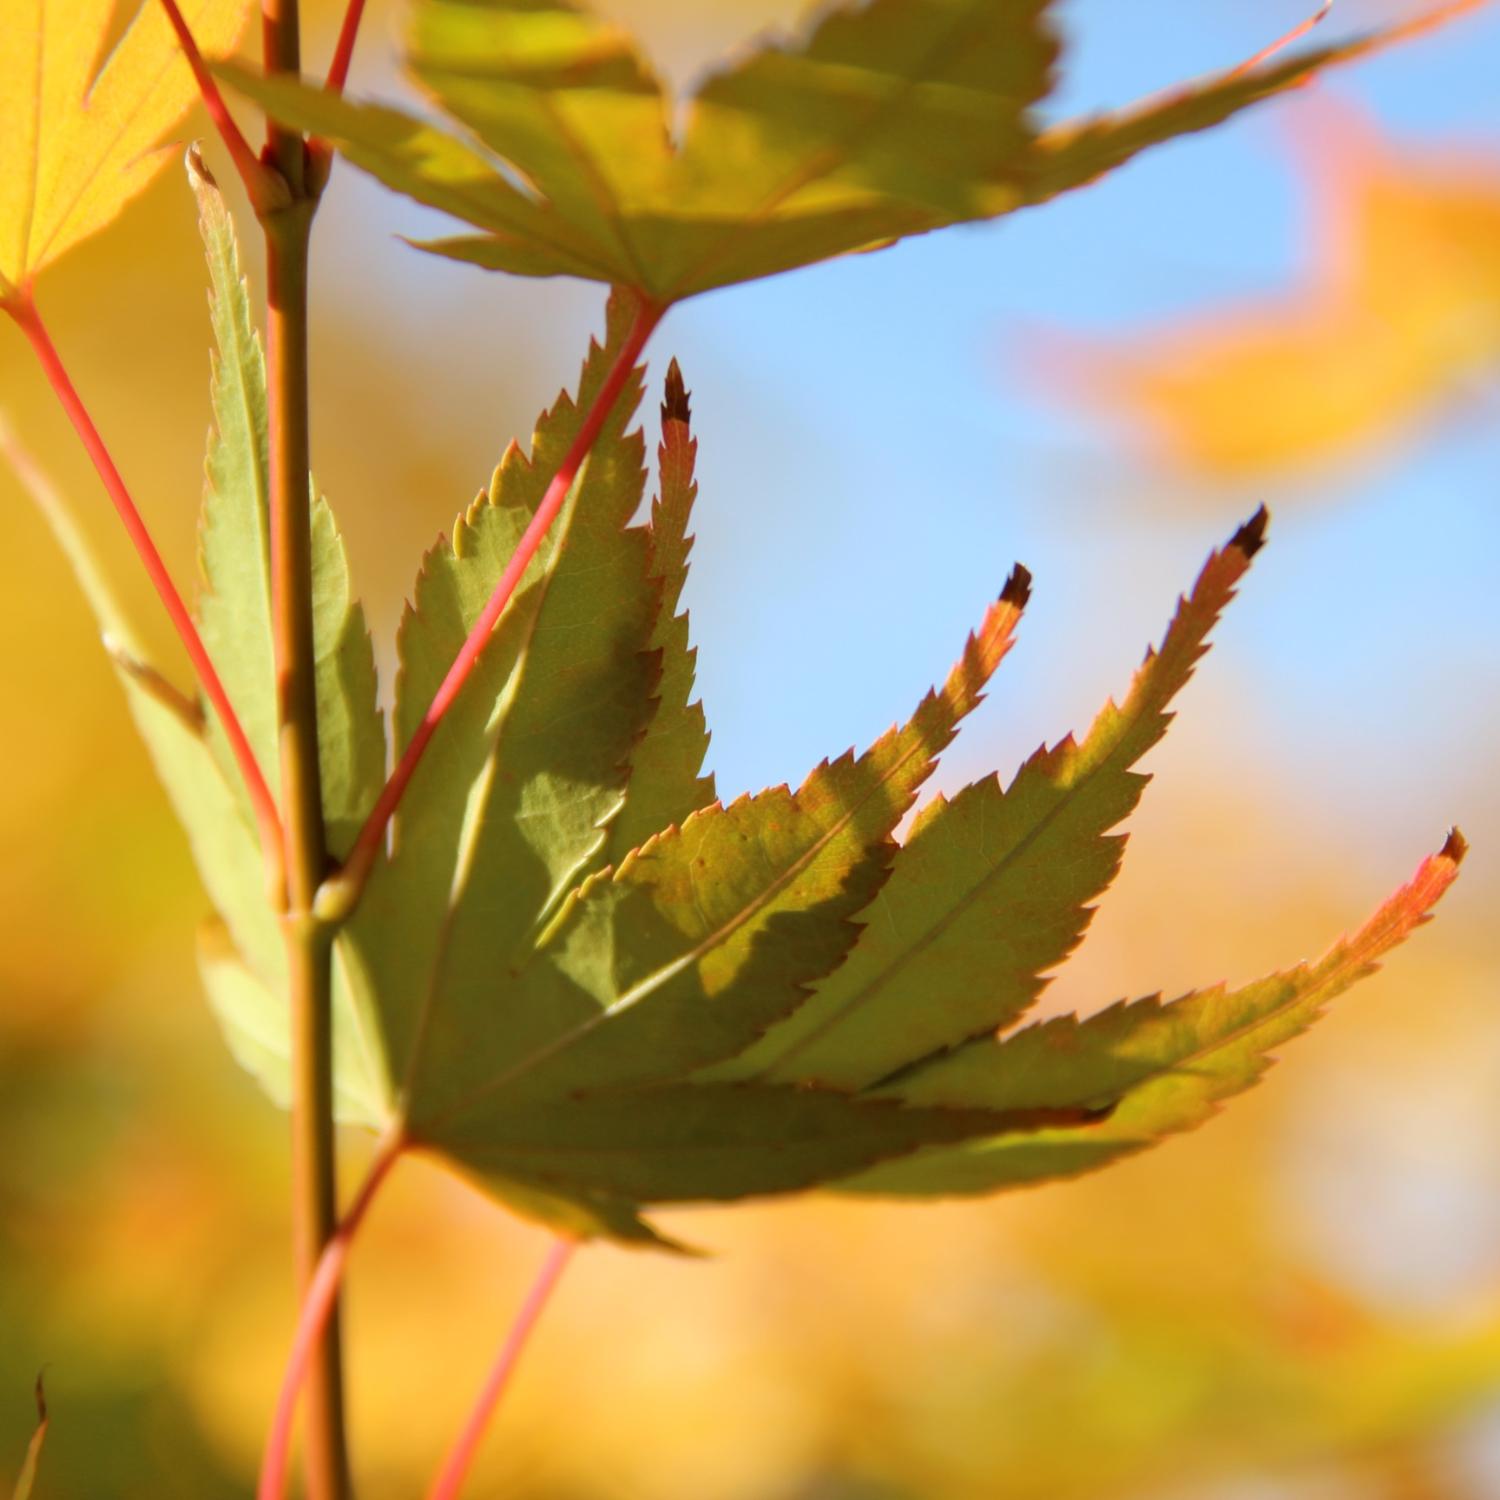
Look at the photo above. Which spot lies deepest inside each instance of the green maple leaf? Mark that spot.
(588, 1019)
(887, 118)
(714, 1013)
(234, 612)
(235, 622)
(1159, 1068)
(991, 889)
(666, 781)
(512, 969)
(514, 796)
(243, 951)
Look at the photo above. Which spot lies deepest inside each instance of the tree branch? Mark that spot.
(343, 53)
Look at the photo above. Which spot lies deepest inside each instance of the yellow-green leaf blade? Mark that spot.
(1157, 1069)
(79, 141)
(992, 889)
(524, 234)
(565, 98)
(256, 1022)
(888, 117)
(693, 1143)
(666, 781)
(235, 609)
(712, 931)
(513, 799)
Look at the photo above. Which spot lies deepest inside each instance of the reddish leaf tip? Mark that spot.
(676, 407)
(1455, 847)
(1251, 537)
(1017, 590)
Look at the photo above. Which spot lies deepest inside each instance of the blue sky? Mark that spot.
(875, 456)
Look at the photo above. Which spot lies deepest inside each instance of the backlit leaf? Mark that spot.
(223, 842)
(887, 118)
(235, 610)
(1158, 1068)
(513, 798)
(235, 621)
(991, 890)
(80, 123)
(713, 931)
(666, 783)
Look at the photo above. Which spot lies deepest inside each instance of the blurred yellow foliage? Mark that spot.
(1395, 312)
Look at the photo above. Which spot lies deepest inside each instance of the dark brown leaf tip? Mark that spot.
(1017, 590)
(1251, 537)
(39, 1391)
(1455, 847)
(676, 407)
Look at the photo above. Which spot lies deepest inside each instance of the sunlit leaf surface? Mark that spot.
(80, 122)
(885, 118)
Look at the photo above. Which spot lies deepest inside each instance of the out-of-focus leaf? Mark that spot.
(222, 840)
(235, 610)
(1159, 1069)
(886, 119)
(78, 124)
(991, 890)
(573, 1211)
(882, 121)
(1396, 312)
(26, 1481)
(257, 1026)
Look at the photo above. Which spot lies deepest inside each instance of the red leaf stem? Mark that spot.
(342, 890)
(461, 1455)
(343, 53)
(312, 1318)
(264, 187)
(23, 309)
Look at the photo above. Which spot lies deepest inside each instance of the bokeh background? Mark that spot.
(1299, 1302)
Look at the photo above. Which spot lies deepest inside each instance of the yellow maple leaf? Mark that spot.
(76, 137)
(1397, 309)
